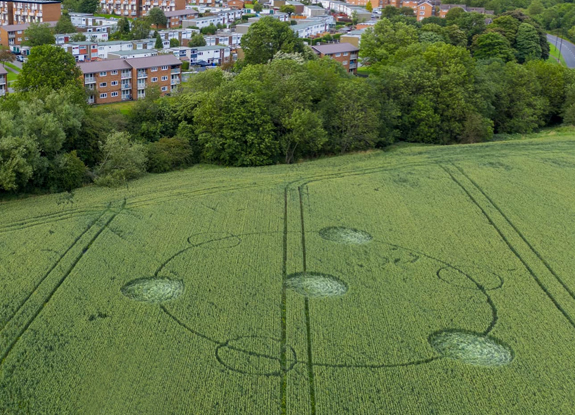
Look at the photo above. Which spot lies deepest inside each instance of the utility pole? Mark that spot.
(560, 46)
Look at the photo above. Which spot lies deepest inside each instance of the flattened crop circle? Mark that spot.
(315, 284)
(471, 348)
(345, 235)
(255, 355)
(153, 289)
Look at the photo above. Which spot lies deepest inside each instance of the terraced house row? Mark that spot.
(138, 8)
(126, 79)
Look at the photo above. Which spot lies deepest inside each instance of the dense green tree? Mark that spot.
(492, 45)
(18, 157)
(455, 36)
(123, 27)
(523, 18)
(454, 14)
(140, 29)
(235, 129)
(159, 43)
(123, 160)
(555, 82)
(304, 134)
(49, 67)
(435, 20)
(157, 17)
(266, 37)
(78, 37)
(380, 43)
(38, 34)
(209, 30)
(472, 24)
(88, 6)
(406, 11)
(174, 43)
(389, 11)
(6, 55)
(67, 172)
(369, 7)
(527, 43)
(197, 40)
(168, 154)
(64, 24)
(257, 7)
(287, 8)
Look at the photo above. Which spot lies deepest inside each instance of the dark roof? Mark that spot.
(142, 63)
(3, 70)
(176, 13)
(22, 26)
(335, 48)
(104, 66)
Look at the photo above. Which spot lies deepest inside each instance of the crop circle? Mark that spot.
(471, 348)
(345, 235)
(315, 284)
(255, 355)
(153, 289)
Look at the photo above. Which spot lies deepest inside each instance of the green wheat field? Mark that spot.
(420, 280)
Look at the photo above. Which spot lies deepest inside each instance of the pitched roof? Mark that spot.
(22, 26)
(3, 70)
(184, 12)
(142, 63)
(335, 48)
(104, 66)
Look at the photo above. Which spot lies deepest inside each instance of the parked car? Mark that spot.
(20, 58)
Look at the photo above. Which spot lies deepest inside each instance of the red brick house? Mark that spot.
(344, 53)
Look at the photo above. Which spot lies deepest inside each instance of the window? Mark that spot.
(345, 53)
(421, 13)
(103, 95)
(114, 94)
(164, 78)
(114, 73)
(164, 68)
(422, 8)
(154, 69)
(344, 63)
(103, 84)
(337, 55)
(103, 73)
(154, 79)
(114, 83)
(164, 88)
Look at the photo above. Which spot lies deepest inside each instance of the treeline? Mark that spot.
(427, 84)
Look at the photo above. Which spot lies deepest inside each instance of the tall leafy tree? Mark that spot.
(6, 55)
(89, 6)
(157, 17)
(268, 36)
(64, 24)
(159, 44)
(50, 67)
(527, 43)
(38, 34)
(492, 45)
(197, 40)
(380, 43)
(140, 29)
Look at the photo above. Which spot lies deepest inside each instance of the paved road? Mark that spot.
(567, 49)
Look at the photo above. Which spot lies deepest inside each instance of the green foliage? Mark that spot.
(369, 6)
(52, 68)
(197, 40)
(492, 45)
(159, 43)
(209, 30)
(88, 6)
(266, 37)
(67, 173)
(140, 29)
(38, 34)
(380, 43)
(64, 24)
(168, 154)
(257, 7)
(157, 17)
(78, 37)
(6, 55)
(174, 43)
(527, 43)
(287, 8)
(122, 160)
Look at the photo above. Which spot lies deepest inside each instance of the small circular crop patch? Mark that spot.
(345, 235)
(472, 348)
(315, 284)
(153, 289)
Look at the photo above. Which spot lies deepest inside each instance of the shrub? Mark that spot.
(168, 154)
(68, 172)
(123, 160)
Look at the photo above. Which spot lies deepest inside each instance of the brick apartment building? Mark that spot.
(344, 53)
(29, 11)
(12, 35)
(3, 81)
(139, 8)
(176, 17)
(126, 79)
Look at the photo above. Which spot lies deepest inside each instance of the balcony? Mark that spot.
(3, 80)
(127, 86)
(176, 70)
(89, 80)
(142, 75)
(175, 81)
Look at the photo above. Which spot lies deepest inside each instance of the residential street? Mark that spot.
(567, 49)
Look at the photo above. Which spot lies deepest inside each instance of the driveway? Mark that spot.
(567, 49)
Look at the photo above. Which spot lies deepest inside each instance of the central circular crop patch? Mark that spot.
(345, 235)
(153, 289)
(315, 284)
(472, 348)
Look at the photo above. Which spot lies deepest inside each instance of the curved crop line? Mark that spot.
(512, 248)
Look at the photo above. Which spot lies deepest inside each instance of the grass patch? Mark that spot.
(555, 56)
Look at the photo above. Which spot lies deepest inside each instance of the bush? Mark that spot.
(185, 65)
(123, 160)
(168, 154)
(68, 172)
